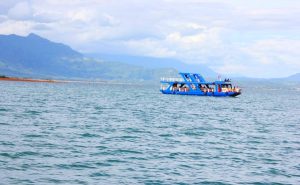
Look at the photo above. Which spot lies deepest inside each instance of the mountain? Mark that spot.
(156, 63)
(34, 56)
(295, 77)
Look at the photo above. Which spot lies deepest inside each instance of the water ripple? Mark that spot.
(132, 134)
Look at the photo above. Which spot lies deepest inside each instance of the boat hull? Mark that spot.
(217, 94)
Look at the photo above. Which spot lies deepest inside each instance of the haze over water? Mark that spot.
(68, 133)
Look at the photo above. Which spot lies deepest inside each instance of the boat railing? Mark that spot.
(171, 79)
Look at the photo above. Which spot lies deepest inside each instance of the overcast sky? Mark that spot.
(256, 38)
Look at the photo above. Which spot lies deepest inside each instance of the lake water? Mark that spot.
(131, 134)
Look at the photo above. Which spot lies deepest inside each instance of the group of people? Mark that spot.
(230, 89)
(180, 89)
(205, 88)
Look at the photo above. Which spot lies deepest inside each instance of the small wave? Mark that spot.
(115, 161)
(101, 164)
(165, 135)
(33, 135)
(18, 154)
(89, 135)
(4, 110)
(32, 112)
(77, 166)
(99, 174)
(194, 133)
(123, 151)
(214, 183)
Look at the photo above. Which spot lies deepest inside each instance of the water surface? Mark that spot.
(131, 134)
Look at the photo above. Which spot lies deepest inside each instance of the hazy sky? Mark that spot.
(257, 38)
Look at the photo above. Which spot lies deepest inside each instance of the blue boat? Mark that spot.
(195, 84)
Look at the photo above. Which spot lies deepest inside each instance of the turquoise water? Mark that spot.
(132, 134)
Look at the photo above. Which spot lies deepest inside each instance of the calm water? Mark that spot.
(132, 134)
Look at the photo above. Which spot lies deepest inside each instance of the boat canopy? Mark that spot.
(192, 78)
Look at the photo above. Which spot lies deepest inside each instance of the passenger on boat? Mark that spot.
(174, 87)
(236, 89)
(182, 89)
(203, 88)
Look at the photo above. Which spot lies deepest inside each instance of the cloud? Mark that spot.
(41, 27)
(21, 11)
(229, 36)
(149, 47)
(16, 27)
(6, 5)
(268, 19)
(275, 57)
(3, 18)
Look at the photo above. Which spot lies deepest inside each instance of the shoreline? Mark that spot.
(19, 79)
(82, 81)
(27, 80)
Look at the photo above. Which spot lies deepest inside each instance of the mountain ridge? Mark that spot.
(155, 63)
(294, 77)
(34, 56)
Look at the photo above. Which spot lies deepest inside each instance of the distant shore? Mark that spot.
(20, 79)
(84, 81)
(4, 78)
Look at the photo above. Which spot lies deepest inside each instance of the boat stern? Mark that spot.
(235, 94)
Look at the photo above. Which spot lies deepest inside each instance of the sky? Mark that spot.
(256, 38)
